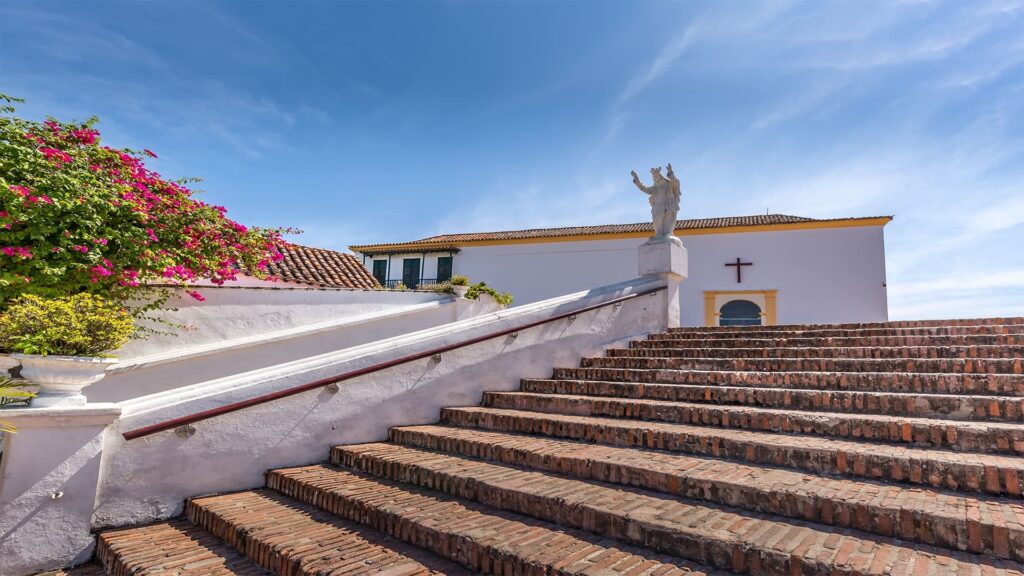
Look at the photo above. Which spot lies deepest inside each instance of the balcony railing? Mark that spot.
(422, 283)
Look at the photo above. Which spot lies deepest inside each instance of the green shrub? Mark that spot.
(12, 392)
(401, 287)
(79, 325)
(474, 292)
(459, 280)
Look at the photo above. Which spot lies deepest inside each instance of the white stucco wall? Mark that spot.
(821, 275)
(149, 478)
(237, 312)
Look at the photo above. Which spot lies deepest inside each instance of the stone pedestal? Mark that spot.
(667, 259)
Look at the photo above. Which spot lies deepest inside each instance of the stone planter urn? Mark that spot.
(62, 378)
(7, 364)
(460, 291)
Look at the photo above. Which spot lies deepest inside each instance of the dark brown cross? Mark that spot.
(739, 268)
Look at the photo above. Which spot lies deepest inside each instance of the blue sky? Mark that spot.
(388, 121)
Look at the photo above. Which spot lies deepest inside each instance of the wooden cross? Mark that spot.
(739, 268)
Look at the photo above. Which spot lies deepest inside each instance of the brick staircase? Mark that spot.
(893, 448)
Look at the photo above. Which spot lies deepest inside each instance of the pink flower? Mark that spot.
(151, 234)
(20, 190)
(58, 156)
(85, 135)
(16, 251)
(80, 248)
(150, 153)
(196, 295)
(101, 271)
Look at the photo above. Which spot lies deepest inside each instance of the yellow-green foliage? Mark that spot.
(459, 280)
(474, 292)
(79, 325)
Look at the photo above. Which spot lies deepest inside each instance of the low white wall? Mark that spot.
(148, 478)
(146, 375)
(229, 313)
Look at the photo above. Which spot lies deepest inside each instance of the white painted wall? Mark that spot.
(230, 313)
(822, 275)
(148, 478)
(183, 367)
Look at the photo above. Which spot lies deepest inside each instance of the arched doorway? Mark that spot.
(739, 313)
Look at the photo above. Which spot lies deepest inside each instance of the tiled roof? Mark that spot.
(323, 268)
(640, 227)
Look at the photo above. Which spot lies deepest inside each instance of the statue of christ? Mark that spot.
(664, 198)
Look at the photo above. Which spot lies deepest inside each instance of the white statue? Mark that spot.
(664, 198)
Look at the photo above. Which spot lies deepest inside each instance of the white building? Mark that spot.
(770, 269)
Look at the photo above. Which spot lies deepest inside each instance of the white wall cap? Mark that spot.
(62, 417)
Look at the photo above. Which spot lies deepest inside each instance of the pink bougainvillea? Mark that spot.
(76, 215)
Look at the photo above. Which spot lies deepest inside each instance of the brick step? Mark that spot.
(644, 348)
(474, 535)
(816, 342)
(749, 542)
(924, 366)
(984, 437)
(174, 547)
(1010, 320)
(290, 538)
(825, 331)
(947, 406)
(989, 384)
(958, 471)
(947, 519)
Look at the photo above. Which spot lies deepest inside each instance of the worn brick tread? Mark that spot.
(291, 538)
(749, 542)
(971, 436)
(785, 341)
(174, 547)
(948, 519)
(662, 349)
(477, 536)
(965, 472)
(825, 330)
(998, 321)
(1013, 366)
(947, 406)
(987, 384)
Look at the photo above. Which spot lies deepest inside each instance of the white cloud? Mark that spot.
(661, 64)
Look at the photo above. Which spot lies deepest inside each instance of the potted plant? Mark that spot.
(460, 284)
(61, 343)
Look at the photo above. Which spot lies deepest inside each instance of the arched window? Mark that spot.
(740, 313)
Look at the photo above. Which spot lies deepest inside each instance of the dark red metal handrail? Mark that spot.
(234, 407)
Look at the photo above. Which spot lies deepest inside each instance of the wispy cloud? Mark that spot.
(661, 63)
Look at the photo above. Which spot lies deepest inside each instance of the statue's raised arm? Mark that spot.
(639, 184)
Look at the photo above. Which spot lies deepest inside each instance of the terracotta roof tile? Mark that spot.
(323, 268)
(693, 224)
